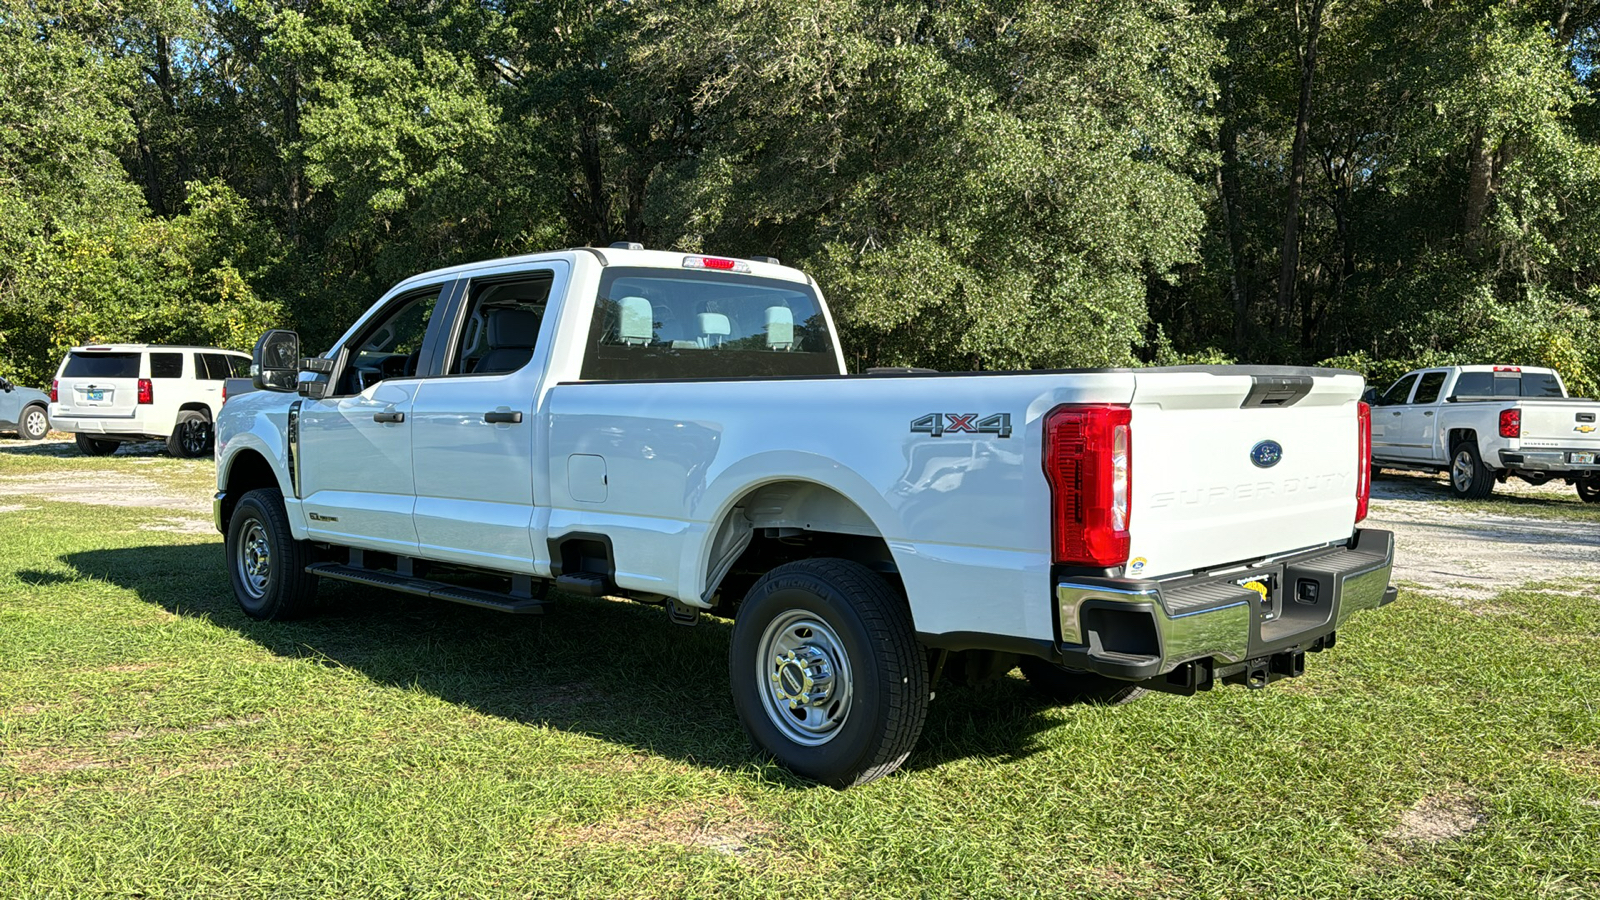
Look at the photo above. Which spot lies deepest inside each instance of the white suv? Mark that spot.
(112, 393)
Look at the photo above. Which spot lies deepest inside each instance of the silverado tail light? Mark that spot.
(224, 392)
(1363, 459)
(55, 390)
(146, 392)
(1088, 454)
(1511, 423)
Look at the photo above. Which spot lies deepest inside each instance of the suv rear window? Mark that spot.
(657, 324)
(101, 365)
(1507, 384)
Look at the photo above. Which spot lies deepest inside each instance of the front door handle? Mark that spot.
(1428, 413)
(388, 417)
(1395, 413)
(501, 417)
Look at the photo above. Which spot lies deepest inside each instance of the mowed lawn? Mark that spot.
(154, 742)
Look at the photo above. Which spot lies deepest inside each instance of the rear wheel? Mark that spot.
(826, 671)
(1470, 479)
(1589, 488)
(88, 446)
(191, 437)
(266, 564)
(35, 424)
(1065, 685)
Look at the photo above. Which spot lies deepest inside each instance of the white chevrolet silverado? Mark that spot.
(680, 429)
(1484, 424)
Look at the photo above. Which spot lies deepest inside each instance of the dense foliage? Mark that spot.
(1020, 183)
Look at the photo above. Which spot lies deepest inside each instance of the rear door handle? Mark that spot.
(388, 417)
(1428, 413)
(500, 417)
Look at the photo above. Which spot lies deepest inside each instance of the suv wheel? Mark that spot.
(35, 424)
(191, 437)
(88, 446)
(266, 564)
(1589, 488)
(827, 674)
(1470, 479)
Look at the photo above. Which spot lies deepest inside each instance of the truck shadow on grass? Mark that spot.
(614, 670)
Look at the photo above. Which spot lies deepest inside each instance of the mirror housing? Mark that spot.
(275, 361)
(1370, 395)
(6, 385)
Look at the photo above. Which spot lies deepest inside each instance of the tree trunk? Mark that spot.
(1228, 176)
(1297, 176)
(1480, 171)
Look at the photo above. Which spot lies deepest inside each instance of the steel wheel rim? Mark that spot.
(255, 559)
(804, 679)
(193, 438)
(1461, 471)
(36, 423)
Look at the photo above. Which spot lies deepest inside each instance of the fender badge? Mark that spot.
(1266, 454)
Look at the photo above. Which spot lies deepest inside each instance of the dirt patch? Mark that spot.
(1445, 549)
(1579, 762)
(136, 733)
(723, 826)
(54, 762)
(180, 526)
(1436, 819)
(100, 487)
(15, 507)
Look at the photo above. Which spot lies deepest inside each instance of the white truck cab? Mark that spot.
(109, 394)
(681, 429)
(1484, 424)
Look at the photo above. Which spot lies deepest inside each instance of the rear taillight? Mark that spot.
(146, 392)
(1363, 459)
(224, 392)
(1088, 460)
(55, 390)
(1511, 423)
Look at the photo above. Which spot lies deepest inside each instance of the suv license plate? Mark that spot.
(95, 396)
(1582, 459)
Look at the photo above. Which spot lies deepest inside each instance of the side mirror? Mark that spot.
(275, 361)
(6, 385)
(1370, 396)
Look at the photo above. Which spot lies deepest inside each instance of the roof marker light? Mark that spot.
(715, 262)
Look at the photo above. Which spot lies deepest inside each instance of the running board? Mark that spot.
(436, 590)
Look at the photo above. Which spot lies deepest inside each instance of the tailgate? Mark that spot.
(1568, 425)
(95, 383)
(1235, 467)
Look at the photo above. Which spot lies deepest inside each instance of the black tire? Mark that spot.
(88, 446)
(1065, 685)
(272, 585)
(847, 621)
(1589, 489)
(35, 423)
(1470, 479)
(191, 437)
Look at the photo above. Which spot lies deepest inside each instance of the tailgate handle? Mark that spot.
(1277, 390)
(1585, 417)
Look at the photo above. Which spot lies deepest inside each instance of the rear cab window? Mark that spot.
(1507, 384)
(101, 364)
(661, 324)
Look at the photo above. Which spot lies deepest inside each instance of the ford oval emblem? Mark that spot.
(1266, 454)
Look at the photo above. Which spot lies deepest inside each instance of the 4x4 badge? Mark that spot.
(941, 424)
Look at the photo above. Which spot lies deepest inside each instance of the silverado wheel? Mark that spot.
(1470, 479)
(1589, 488)
(827, 673)
(191, 437)
(1065, 685)
(88, 446)
(266, 564)
(35, 423)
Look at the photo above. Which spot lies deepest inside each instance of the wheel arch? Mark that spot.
(243, 471)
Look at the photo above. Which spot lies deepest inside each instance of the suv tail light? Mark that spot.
(1510, 423)
(1363, 459)
(1088, 460)
(146, 392)
(55, 390)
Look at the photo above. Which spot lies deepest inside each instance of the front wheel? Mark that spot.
(35, 424)
(1065, 685)
(1470, 479)
(191, 437)
(88, 446)
(266, 564)
(826, 671)
(1589, 488)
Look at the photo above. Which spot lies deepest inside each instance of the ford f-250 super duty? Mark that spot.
(1483, 424)
(679, 428)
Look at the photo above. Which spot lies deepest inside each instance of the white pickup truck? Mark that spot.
(1484, 424)
(680, 429)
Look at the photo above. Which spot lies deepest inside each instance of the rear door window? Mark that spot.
(166, 365)
(657, 324)
(1428, 388)
(101, 365)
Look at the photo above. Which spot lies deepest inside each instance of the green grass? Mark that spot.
(155, 742)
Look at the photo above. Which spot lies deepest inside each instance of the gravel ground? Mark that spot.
(1458, 550)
